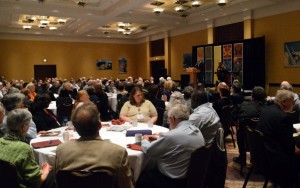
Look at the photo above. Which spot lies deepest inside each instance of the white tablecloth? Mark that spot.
(135, 158)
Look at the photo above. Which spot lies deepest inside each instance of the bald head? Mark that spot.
(86, 120)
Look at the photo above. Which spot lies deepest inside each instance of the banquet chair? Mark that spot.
(160, 114)
(64, 111)
(8, 175)
(79, 179)
(258, 159)
(216, 175)
(198, 167)
(226, 121)
(250, 122)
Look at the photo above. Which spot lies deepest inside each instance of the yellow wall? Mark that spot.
(142, 66)
(182, 44)
(277, 30)
(72, 59)
(75, 59)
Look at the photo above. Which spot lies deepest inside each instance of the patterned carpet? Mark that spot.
(234, 179)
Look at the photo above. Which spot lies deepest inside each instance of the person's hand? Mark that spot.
(150, 138)
(46, 167)
(42, 132)
(164, 98)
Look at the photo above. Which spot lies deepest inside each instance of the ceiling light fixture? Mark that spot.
(61, 21)
(26, 27)
(44, 22)
(195, 4)
(121, 25)
(52, 28)
(179, 9)
(121, 30)
(81, 3)
(158, 11)
(42, 26)
(127, 32)
(31, 19)
(180, 2)
(222, 3)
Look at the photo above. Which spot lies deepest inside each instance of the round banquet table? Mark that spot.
(135, 158)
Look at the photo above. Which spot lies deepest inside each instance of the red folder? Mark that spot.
(45, 144)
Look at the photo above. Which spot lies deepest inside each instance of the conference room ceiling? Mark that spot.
(123, 19)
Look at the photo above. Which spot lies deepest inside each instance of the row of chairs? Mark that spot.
(254, 142)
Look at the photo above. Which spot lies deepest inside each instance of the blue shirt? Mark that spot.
(172, 150)
(207, 120)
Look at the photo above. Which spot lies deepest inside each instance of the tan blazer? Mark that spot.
(91, 154)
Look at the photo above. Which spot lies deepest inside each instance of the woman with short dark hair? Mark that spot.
(42, 116)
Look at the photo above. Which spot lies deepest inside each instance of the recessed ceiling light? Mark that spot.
(42, 26)
(52, 28)
(26, 27)
(44, 22)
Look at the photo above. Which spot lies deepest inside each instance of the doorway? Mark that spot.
(44, 71)
(157, 69)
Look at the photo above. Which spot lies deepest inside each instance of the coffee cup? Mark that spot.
(138, 138)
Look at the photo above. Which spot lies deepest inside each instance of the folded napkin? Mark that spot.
(104, 125)
(49, 133)
(117, 122)
(134, 147)
(45, 144)
(143, 132)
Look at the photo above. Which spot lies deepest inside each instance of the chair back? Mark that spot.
(216, 175)
(198, 167)
(249, 122)
(257, 150)
(64, 110)
(226, 117)
(160, 116)
(79, 179)
(8, 175)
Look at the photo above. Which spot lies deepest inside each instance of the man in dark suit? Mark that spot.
(200, 75)
(247, 110)
(276, 123)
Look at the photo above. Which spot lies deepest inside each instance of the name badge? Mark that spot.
(140, 116)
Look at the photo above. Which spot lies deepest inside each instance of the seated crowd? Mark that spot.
(193, 115)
